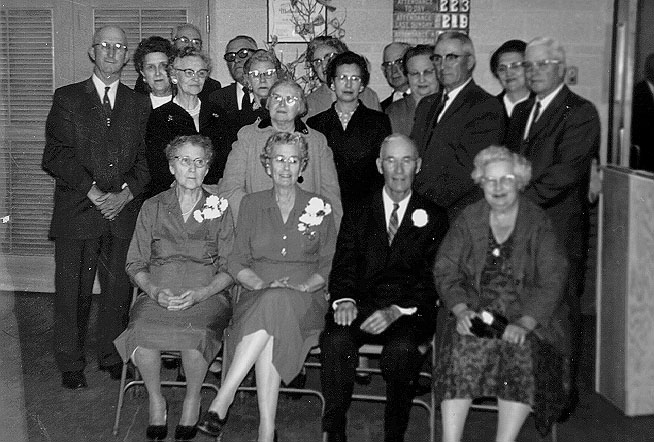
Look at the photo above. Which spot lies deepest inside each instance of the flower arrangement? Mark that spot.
(214, 207)
(313, 214)
(419, 218)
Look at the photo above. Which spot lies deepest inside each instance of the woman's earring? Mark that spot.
(300, 180)
(173, 80)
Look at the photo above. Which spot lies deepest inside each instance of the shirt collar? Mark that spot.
(99, 88)
(240, 94)
(451, 95)
(544, 102)
(388, 206)
(299, 125)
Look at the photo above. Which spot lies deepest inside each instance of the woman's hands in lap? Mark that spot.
(515, 334)
(166, 299)
(464, 321)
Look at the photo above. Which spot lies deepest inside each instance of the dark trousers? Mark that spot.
(76, 261)
(400, 364)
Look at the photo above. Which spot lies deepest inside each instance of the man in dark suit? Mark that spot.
(393, 69)
(560, 134)
(236, 99)
(184, 36)
(95, 151)
(452, 127)
(382, 291)
(642, 119)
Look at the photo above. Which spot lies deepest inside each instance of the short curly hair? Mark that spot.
(262, 55)
(283, 138)
(325, 40)
(348, 57)
(304, 107)
(150, 45)
(196, 140)
(521, 165)
(414, 51)
(189, 51)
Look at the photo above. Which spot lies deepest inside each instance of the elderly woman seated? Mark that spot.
(282, 255)
(177, 257)
(501, 259)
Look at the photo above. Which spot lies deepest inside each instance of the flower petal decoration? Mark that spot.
(419, 218)
(198, 216)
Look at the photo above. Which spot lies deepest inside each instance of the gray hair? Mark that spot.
(466, 42)
(300, 92)
(262, 55)
(398, 136)
(520, 165)
(175, 31)
(195, 140)
(554, 47)
(283, 138)
(189, 51)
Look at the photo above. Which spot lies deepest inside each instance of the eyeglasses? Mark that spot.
(268, 73)
(349, 78)
(405, 161)
(156, 67)
(513, 67)
(289, 99)
(389, 64)
(190, 73)
(417, 75)
(539, 65)
(106, 46)
(449, 58)
(316, 62)
(241, 53)
(198, 162)
(281, 160)
(503, 181)
(186, 40)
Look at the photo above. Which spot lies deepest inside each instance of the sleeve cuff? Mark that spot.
(338, 301)
(406, 310)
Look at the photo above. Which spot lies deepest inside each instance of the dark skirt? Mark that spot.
(197, 328)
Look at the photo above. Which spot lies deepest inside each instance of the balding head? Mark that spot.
(109, 53)
(399, 163)
(186, 35)
(392, 65)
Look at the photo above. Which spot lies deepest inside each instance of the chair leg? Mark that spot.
(121, 398)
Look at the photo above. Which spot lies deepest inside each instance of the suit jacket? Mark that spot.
(355, 150)
(234, 119)
(322, 98)
(500, 98)
(386, 102)
(538, 264)
(402, 114)
(472, 122)
(170, 120)
(210, 86)
(376, 274)
(642, 126)
(560, 146)
(80, 149)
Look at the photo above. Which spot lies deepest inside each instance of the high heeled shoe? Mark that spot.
(212, 424)
(187, 432)
(158, 432)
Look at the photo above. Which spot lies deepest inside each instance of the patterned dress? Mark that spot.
(472, 367)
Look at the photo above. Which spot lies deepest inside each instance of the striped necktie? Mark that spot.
(106, 105)
(393, 223)
(533, 120)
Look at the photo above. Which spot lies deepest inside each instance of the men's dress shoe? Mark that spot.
(116, 370)
(158, 432)
(212, 424)
(73, 380)
(187, 432)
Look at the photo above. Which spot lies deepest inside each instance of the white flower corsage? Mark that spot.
(214, 207)
(313, 215)
(419, 218)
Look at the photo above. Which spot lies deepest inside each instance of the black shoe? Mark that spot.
(336, 437)
(116, 371)
(158, 432)
(73, 380)
(212, 424)
(363, 378)
(187, 432)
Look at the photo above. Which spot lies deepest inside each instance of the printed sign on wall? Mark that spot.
(420, 21)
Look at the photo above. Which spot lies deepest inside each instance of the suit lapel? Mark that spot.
(94, 105)
(379, 221)
(459, 100)
(547, 117)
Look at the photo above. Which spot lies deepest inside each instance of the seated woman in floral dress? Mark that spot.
(501, 257)
(282, 255)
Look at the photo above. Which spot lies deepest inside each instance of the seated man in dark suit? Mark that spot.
(236, 99)
(452, 127)
(184, 36)
(382, 291)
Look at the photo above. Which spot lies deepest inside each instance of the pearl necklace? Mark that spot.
(185, 214)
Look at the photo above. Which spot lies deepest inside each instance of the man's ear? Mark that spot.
(91, 53)
(418, 165)
(378, 161)
(471, 63)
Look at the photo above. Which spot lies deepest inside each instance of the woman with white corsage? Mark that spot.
(178, 258)
(282, 256)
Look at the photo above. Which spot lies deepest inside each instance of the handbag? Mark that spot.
(487, 324)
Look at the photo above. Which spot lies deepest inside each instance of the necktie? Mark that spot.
(533, 120)
(393, 223)
(441, 105)
(245, 102)
(106, 105)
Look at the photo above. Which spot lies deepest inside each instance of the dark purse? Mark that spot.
(488, 325)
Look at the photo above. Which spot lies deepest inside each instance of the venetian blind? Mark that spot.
(26, 87)
(139, 23)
